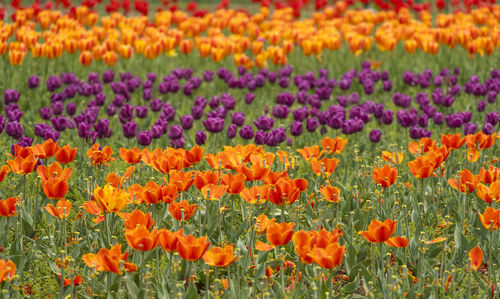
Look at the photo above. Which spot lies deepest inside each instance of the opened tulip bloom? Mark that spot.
(55, 188)
(385, 176)
(109, 260)
(7, 270)
(328, 257)
(379, 232)
(220, 257)
(132, 156)
(111, 199)
(181, 211)
(8, 206)
(66, 154)
(330, 193)
(168, 239)
(140, 238)
(397, 242)
(61, 210)
(490, 219)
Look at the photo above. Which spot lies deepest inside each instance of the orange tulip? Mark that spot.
(66, 154)
(178, 209)
(422, 146)
(109, 260)
(309, 153)
(325, 166)
(397, 242)
(111, 199)
(132, 156)
(99, 156)
(137, 217)
(213, 192)
(255, 194)
(330, 193)
(379, 232)
(476, 258)
(4, 171)
(168, 240)
(204, 178)
(253, 173)
(8, 206)
(303, 243)
(54, 170)
(385, 176)
(333, 145)
(191, 248)
(468, 182)
(7, 270)
(394, 158)
(279, 234)
(422, 167)
(235, 183)
(487, 176)
(328, 257)
(262, 223)
(61, 210)
(55, 188)
(182, 180)
(283, 192)
(45, 150)
(489, 194)
(490, 219)
(452, 142)
(20, 165)
(141, 239)
(220, 257)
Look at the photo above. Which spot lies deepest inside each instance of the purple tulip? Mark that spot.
(14, 129)
(213, 124)
(186, 121)
(156, 105)
(141, 111)
(264, 123)
(129, 129)
(231, 131)
(175, 132)
(200, 138)
(296, 128)
(238, 118)
(246, 132)
(375, 135)
(144, 138)
(33, 82)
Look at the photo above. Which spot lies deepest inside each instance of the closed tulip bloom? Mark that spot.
(137, 217)
(385, 176)
(235, 183)
(490, 219)
(178, 209)
(220, 257)
(379, 232)
(111, 199)
(109, 260)
(8, 206)
(453, 142)
(279, 234)
(141, 239)
(476, 257)
(7, 270)
(61, 210)
(191, 248)
(66, 154)
(55, 187)
(328, 257)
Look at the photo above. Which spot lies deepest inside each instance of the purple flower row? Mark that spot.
(318, 102)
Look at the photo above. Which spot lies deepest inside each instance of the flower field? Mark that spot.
(263, 149)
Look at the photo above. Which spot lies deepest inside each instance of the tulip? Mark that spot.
(181, 211)
(61, 210)
(385, 176)
(279, 234)
(191, 248)
(135, 218)
(476, 258)
(220, 257)
(379, 232)
(328, 257)
(8, 206)
(111, 199)
(7, 270)
(490, 219)
(141, 239)
(66, 154)
(330, 193)
(109, 260)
